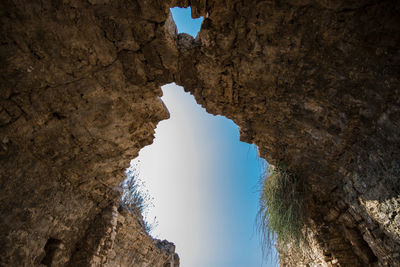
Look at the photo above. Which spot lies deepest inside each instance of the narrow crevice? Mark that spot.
(51, 248)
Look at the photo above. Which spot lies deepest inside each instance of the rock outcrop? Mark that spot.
(313, 83)
(80, 88)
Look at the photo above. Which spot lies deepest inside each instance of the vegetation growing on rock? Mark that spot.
(280, 214)
(136, 199)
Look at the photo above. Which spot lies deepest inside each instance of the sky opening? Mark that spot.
(204, 182)
(204, 185)
(184, 22)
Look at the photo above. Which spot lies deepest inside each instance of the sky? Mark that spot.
(204, 182)
(184, 21)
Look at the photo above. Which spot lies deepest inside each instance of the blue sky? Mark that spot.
(184, 21)
(204, 183)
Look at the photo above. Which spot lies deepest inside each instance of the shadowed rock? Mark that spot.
(312, 83)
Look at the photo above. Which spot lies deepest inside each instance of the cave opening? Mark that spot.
(184, 21)
(197, 184)
(203, 183)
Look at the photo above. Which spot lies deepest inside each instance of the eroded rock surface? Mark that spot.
(80, 88)
(312, 83)
(315, 84)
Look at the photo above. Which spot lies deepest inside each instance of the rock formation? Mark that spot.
(79, 98)
(313, 83)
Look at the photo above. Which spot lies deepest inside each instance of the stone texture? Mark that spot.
(79, 98)
(134, 247)
(312, 83)
(118, 238)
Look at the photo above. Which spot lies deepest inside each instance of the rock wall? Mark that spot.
(117, 238)
(134, 247)
(80, 88)
(313, 83)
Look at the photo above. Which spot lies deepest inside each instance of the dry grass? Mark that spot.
(280, 213)
(136, 199)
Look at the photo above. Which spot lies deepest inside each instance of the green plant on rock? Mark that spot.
(280, 214)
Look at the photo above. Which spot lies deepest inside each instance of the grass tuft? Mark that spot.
(280, 214)
(136, 199)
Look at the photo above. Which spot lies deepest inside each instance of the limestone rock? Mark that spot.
(313, 83)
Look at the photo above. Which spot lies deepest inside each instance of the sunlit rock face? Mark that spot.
(314, 84)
